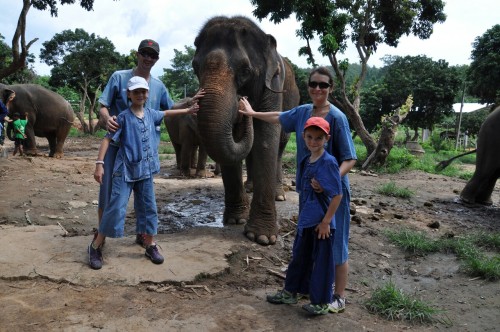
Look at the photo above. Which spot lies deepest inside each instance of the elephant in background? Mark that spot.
(480, 187)
(189, 152)
(235, 58)
(49, 115)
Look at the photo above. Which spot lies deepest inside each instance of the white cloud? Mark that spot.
(175, 24)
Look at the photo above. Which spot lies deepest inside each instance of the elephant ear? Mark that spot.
(275, 71)
(6, 94)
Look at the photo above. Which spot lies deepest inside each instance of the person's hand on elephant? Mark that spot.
(193, 108)
(245, 108)
(199, 94)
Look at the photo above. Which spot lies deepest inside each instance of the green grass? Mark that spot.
(391, 189)
(478, 252)
(392, 304)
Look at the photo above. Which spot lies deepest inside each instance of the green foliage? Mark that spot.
(398, 160)
(391, 189)
(438, 143)
(393, 304)
(484, 71)
(181, 80)
(413, 242)
(23, 76)
(80, 60)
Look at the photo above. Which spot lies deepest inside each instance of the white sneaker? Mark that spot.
(337, 305)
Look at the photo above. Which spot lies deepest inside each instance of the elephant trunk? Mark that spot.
(227, 135)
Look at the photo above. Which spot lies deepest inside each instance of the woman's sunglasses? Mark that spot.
(322, 85)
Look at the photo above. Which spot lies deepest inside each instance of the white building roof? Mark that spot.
(468, 107)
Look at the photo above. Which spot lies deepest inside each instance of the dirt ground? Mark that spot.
(45, 191)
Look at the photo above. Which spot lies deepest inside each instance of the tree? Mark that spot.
(25, 75)
(367, 23)
(433, 85)
(20, 49)
(181, 80)
(484, 71)
(83, 62)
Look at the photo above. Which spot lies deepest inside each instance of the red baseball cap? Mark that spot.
(319, 122)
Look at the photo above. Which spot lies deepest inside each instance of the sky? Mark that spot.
(175, 24)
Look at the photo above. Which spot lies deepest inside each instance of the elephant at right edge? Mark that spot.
(235, 58)
(481, 185)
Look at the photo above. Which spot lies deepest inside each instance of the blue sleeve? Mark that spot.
(329, 178)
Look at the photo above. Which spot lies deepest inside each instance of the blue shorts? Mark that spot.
(107, 179)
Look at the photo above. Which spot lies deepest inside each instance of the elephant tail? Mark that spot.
(443, 164)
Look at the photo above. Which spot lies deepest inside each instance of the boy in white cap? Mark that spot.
(312, 268)
(136, 162)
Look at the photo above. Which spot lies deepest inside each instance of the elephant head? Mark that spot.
(234, 58)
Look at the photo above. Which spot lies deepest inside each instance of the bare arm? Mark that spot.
(246, 109)
(107, 120)
(323, 228)
(99, 165)
(179, 111)
(190, 101)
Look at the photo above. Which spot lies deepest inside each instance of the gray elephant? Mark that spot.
(49, 115)
(189, 152)
(235, 58)
(481, 185)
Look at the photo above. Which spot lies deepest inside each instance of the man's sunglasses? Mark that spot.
(322, 85)
(153, 56)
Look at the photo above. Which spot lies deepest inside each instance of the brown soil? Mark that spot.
(36, 190)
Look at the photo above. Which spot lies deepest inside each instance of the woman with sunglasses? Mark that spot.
(340, 145)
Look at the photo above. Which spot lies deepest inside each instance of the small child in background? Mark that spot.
(19, 132)
(311, 270)
(136, 163)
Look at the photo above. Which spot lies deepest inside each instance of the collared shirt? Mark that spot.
(314, 205)
(340, 144)
(138, 154)
(114, 96)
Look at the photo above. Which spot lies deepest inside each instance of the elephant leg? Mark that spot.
(249, 181)
(262, 226)
(177, 149)
(202, 161)
(235, 198)
(280, 191)
(30, 148)
(52, 145)
(194, 156)
(61, 136)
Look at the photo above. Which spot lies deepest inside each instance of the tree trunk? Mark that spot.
(385, 142)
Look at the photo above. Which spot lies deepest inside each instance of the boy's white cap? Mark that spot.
(137, 82)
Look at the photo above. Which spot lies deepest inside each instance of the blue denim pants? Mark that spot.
(113, 218)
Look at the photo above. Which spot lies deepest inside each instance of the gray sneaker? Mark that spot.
(95, 257)
(153, 254)
(337, 305)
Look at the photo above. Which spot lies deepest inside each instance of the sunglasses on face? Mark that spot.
(153, 56)
(322, 85)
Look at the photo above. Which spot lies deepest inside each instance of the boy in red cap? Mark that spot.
(312, 268)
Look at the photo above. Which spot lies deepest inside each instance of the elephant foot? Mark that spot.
(261, 239)
(57, 155)
(236, 221)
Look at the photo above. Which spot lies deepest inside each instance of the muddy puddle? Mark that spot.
(199, 207)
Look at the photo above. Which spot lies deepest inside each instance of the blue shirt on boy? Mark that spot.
(138, 153)
(314, 205)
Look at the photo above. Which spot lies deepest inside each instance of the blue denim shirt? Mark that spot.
(138, 155)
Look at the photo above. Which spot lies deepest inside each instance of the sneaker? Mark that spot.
(337, 305)
(95, 257)
(282, 297)
(316, 309)
(139, 239)
(153, 254)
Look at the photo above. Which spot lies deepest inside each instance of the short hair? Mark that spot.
(322, 71)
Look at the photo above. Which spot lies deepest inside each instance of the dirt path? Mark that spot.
(62, 194)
